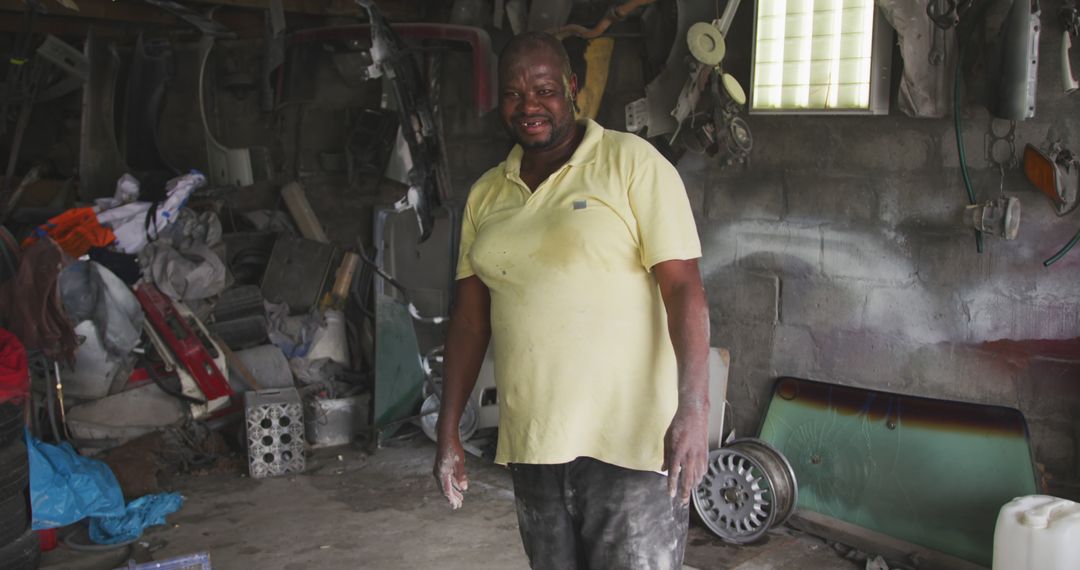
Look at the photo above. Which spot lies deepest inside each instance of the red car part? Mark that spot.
(190, 346)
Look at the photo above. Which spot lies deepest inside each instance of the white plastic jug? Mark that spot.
(1037, 532)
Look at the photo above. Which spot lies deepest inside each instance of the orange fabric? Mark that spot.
(75, 231)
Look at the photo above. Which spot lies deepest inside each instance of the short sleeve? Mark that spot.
(665, 221)
(468, 234)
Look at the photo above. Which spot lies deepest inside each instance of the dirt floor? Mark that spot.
(382, 511)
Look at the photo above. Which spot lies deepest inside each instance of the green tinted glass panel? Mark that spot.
(931, 472)
(398, 374)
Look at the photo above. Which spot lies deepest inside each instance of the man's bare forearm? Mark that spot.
(688, 327)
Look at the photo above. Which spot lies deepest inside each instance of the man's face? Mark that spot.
(536, 100)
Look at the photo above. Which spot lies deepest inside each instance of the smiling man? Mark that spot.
(578, 262)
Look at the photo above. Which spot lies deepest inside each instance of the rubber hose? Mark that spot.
(960, 139)
(1061, 252)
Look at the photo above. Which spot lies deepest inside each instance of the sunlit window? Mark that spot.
(819, 55)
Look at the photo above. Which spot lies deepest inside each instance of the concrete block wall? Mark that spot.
(839, 255)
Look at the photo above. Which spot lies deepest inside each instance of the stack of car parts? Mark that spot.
(749, 488)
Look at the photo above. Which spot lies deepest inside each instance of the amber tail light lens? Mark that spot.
(1041, 172)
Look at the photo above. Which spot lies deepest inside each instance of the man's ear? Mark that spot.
(573, 86)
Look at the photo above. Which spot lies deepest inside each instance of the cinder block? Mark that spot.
(750, 344)
(743, 296)
(922, 199)
(786, 249)
(749, 390)
(866, 254)
(275, 432)
(794, 352)
(793, 142)
(1012, 271)
(995, 316)
(1054, 445)
(813, 198)
(718, 246)
(863, 358)
(1049, 389)
(960, 372)
(951, 259)
(750, 196)
(974, 124)
(821, 304)
(923, 314)
(882, 147)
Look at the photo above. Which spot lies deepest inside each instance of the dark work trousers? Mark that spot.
(590, 515)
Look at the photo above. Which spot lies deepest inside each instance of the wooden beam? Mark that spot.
(59, 19)
(70, 27)
(119, 11)
(392, 9)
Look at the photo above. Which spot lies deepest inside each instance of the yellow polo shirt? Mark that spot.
(584, 365)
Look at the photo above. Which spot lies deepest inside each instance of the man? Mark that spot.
(579, 262)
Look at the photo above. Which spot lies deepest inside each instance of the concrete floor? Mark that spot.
(351, 510)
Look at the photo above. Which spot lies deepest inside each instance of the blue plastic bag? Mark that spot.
(145, 511)
(66, 487)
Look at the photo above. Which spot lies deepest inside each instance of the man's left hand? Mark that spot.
(686, 449)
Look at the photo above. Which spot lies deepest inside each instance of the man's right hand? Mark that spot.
(449, 470)
(466, 341)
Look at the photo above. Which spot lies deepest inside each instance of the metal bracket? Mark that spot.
(65, 57)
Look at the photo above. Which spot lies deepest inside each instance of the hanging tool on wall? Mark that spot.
(1012, 64)
(718, 131)
(1055, 171)
(1070, 24)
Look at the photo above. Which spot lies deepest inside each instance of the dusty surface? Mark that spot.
(383, 512)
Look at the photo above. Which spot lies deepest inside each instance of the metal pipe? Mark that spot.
(960, 141)
(726, 18)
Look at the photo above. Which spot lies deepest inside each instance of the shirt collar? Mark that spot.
(584, 154)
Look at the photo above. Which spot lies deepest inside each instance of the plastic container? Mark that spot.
(330, 422)
(1037, 532)
(329, 341)
(200, 561)
(46, 539)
